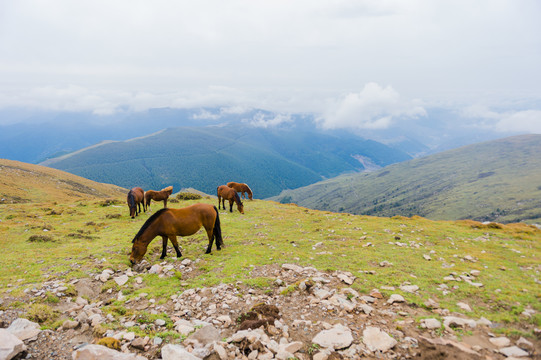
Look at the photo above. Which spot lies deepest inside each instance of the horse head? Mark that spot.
(138, 250)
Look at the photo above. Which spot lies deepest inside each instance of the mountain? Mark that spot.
(28, 183)
(499, 180)
(269, 160)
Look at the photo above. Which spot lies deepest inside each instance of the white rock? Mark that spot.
(513, 351)
(24, 329)
(99, 352)
(346, 279)
(292, 347)
(450, 321)
(292, 267)
(155, 269)
(377, 340)
(501, 341)
(121, 280)
(430, 323)
(175, 352)
(10, 345)
(395, 298)
(464, 306)
(409, 288)
(338, 337)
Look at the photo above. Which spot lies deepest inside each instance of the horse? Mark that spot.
(163, 194)
(227, 193)
(170, 223)
(242, 188)
(136, 197)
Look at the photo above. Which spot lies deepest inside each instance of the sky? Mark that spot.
(353, 63)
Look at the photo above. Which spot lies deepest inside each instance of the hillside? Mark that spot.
(498, 180)
(427, 289)
(269, 160)
(27, 183)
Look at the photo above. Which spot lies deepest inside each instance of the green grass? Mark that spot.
(271, 234)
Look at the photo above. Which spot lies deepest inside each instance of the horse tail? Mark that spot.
(217, 231)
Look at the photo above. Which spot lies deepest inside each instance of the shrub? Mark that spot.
(40, 238)
(188, 196)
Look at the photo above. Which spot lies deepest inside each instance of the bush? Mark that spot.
(40, 238)
(188, 196)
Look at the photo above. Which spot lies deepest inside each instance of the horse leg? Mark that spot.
(165, 203)
(230, 206)
(174, 241)
(164, 246)
(210, 235)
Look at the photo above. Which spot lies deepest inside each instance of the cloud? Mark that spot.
(265, 121)
(507, 121)
(374, 107)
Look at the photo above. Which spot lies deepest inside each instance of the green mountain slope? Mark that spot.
(205, 157)
(493, 181)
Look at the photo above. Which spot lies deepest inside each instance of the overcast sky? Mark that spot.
(352, 62)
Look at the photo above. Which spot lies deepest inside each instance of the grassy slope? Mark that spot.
(498, 181)
(85, 239)
(22, 182)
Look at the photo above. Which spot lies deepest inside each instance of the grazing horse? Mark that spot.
(227, 193)
(136, 197)
(170, 223)
(163, 194)
(242, 188)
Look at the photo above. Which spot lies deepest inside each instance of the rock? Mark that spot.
(322, 294)
(292, 267)
(346, 279)
(121, 280)
(219, 349)
(367, 309)
(395, 298)
(206, 335)
(427, 257)
(430, 324)
(176, 352)
(377, 340)
(464, 306)
(446, 342)
(453, 321)
(24, 329)
(385, 263)
(525, 344)
(139, 343)
(184, 327)
(338, 337)
(375, 293)
(501, 341)
(159, 322)
(431, 304)
(155, 269)
(484, 322)
(475, 273)
(99, 352)
(513, 351)
(292, 347)
(409, 288)
(70, 324)
(10, 345)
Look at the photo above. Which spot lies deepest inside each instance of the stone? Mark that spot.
(184, 327)
(346, 279)
(377, 340)
(155, 269)
(396, 298)
(525, 344)
(24, 329)
(70, 324)
(139, 343)
(322, 294)
(159, 322)
(10, 345)
(453, 321)
(220, 350)
(121, 280)
(99, 352)
(176, 352)
(367, 309)
(338, 337)
(430, 323)
(292, 267)
(501, 341)
(292, 347)
(409, 288)
(375, 293)
(513, 351)
(464, 306)
(205, 335)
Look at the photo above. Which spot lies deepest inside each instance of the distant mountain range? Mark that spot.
(498, 181)
(268, 159)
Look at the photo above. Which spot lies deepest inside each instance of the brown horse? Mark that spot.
(163, 194)
(136, 197)
(170, 223)
(227, 193)
(242, 188)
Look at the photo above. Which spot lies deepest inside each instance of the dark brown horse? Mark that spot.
(227, 193)
(136, 197)
(242, 188)
(163, 194)
(170, 223)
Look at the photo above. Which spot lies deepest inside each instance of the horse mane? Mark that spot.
(237, 198)
(248, 189)
(168, 189)
(147, 223)
(131, 199)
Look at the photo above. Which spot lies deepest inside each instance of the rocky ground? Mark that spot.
(306, 314)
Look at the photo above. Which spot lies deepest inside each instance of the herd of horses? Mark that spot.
(170, 223)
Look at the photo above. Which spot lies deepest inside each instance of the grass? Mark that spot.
(270, 234)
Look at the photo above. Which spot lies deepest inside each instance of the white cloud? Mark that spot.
(374, 107)
(264, 121)
(507, 121)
